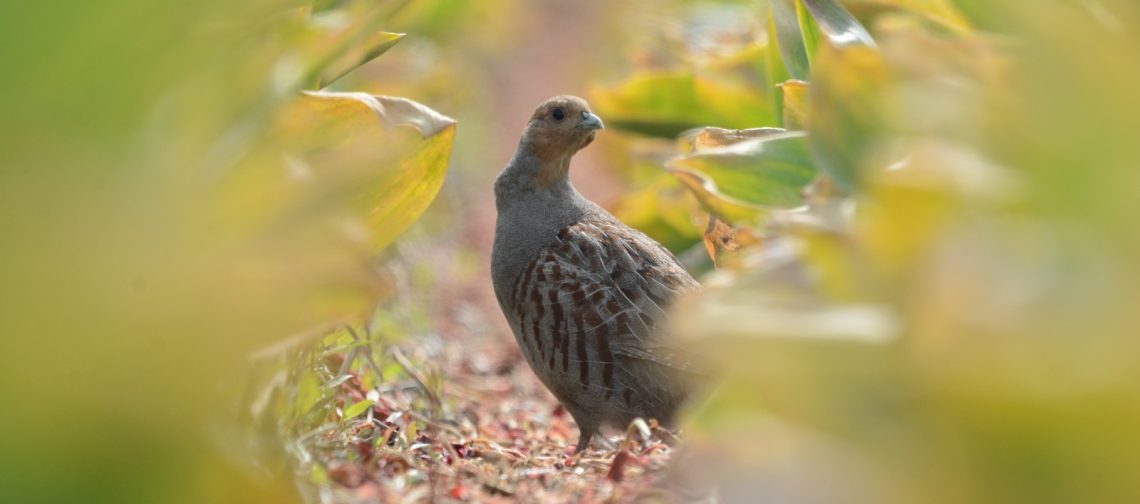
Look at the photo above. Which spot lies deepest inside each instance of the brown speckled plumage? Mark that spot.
(584, 294)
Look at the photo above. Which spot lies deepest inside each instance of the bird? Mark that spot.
(585, 295)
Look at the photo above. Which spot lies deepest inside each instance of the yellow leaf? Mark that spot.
(713, 137)
(396, 176)
(795, 104)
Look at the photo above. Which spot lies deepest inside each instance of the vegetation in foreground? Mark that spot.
(924, 284)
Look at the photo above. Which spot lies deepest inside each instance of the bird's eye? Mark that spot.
(558, 114)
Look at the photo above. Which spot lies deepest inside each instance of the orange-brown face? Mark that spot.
(560, 127)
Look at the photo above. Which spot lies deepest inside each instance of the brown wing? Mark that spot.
(602, 279)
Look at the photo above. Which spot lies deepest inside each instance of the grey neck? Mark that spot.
(520, 178)
(530, 214)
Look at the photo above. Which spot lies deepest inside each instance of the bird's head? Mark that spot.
(560, 127)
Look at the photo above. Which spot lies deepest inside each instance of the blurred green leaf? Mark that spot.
(199, 224)
(663, 210)
(358, 54)
(810, 30)
(357, 408)
(333, 42)
(664, 104)
(708, 195)
(776, 71)
(967, 331)
(841, 28)
(790, 38)
(846, 122)
(740, 180)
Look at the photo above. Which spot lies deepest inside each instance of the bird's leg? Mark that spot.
(586, 429)
(583, 440)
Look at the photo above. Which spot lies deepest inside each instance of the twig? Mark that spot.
(433, 423)
(368, 354)
(408, 368)
(344, 366)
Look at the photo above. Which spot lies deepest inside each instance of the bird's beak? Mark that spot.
(590, 121)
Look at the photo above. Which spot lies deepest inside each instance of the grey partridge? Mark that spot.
(585, 295)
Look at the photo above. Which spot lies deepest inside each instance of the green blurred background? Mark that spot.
(967, 333)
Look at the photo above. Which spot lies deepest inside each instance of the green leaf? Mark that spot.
(357, 408)
(846, 120)
(338, 381)
(790, 39)
(664, 104)
(841, 28)
(358, 54)
(810, 30)
(776, 73)
(334, 41)
(742, 180)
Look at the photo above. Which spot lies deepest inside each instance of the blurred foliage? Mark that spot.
(945, 312)
(766, 171)
(922, 213)
(668, 103)
(660, 209)
(173, 203)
